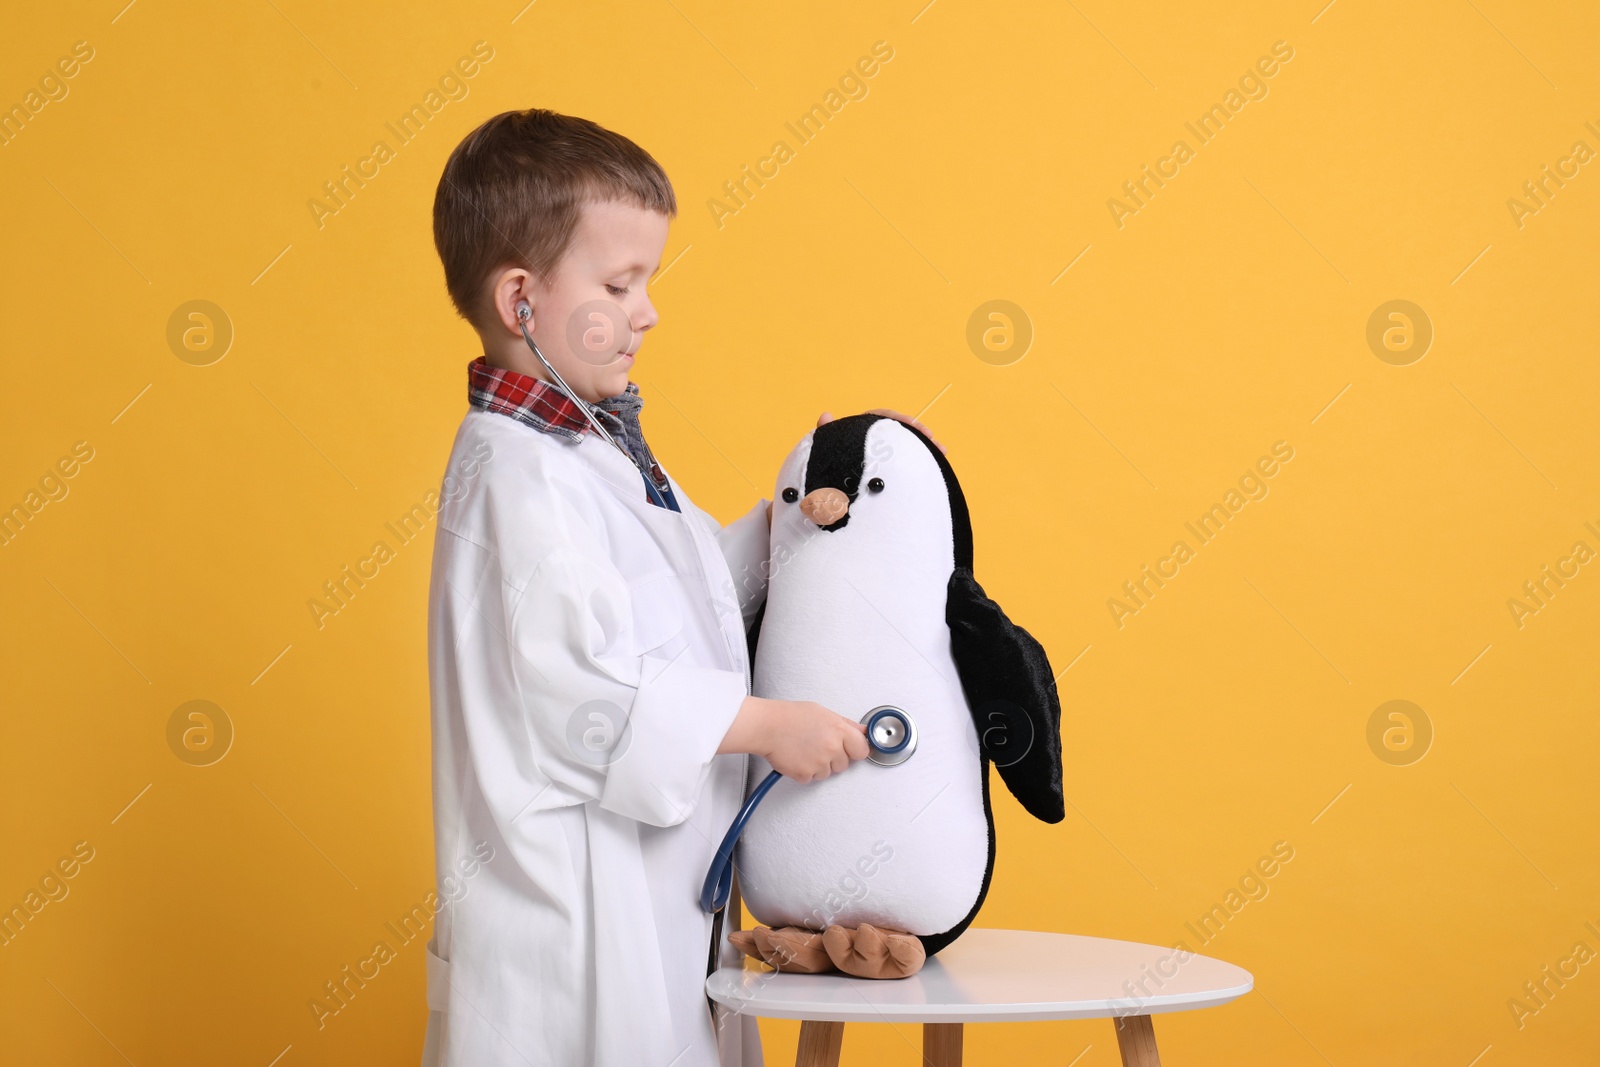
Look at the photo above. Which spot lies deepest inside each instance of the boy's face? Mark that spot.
(589, 321)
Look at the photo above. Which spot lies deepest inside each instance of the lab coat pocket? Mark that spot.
(658, 616)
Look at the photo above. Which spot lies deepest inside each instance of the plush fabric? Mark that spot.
(878, 607)
(862, 952)
(1007, 680)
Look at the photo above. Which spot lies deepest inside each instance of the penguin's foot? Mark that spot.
(868, 952)
(791, 949)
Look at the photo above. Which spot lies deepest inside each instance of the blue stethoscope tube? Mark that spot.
(892, 737)
(719, 879)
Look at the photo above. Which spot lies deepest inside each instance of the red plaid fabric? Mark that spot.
(523, 397)
(545, 407)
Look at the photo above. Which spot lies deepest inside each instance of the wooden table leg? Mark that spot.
(1136, 1039)
(820, 1041)
(941, 1044)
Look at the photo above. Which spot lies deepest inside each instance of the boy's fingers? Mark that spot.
(825, 418)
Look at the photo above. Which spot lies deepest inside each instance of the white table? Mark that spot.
(992, 976)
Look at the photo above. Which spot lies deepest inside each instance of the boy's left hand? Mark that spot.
(910, 420)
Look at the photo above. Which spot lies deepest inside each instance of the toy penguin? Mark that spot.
(872, 602)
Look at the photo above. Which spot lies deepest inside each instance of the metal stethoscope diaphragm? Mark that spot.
(892, 735)
(891, 738)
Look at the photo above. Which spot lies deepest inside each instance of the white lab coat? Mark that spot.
(556, 584)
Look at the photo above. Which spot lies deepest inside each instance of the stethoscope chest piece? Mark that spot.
(891, 734)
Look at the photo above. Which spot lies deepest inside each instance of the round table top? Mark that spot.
(996, 976)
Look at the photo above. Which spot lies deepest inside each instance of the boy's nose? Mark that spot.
(825, 506)
(647, 317)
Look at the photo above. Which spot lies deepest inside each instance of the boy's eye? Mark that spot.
(790, 495)
(876, 485)
(617, 290)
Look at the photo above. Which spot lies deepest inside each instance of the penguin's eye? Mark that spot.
(790, 495)
(876, 485)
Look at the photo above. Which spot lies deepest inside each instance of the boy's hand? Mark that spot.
(800, 738)
(808, 742)
(910, 420)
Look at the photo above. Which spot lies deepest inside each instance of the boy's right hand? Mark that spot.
(800, 738)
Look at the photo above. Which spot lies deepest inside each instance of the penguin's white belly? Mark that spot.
(902, 847)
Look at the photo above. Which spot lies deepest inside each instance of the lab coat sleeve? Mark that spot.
(605, 717)
(745, 544)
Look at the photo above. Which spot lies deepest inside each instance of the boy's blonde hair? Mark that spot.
(512, 193)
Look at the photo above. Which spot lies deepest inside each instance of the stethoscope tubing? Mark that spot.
(654, 494)
(719, 879)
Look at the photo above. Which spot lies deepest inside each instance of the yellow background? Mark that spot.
(1228, 314)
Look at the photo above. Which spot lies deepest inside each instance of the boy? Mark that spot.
(587, 650)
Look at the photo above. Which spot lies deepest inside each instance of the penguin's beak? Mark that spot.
(825, 506)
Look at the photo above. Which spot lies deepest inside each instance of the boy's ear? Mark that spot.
(511, 286)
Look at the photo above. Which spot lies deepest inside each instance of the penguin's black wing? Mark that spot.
(1011, 693)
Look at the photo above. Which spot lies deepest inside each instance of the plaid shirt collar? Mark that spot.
(541, 404)
(545, 407)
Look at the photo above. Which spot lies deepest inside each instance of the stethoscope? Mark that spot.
(891, 736)
(524, 313)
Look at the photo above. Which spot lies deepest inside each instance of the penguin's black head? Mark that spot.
(848, 460)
